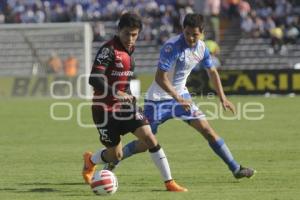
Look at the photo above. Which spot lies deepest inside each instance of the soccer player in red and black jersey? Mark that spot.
(114, 111)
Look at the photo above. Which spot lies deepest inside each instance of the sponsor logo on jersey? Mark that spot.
(122, 73)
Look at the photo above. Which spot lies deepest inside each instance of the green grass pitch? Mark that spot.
(41, 158)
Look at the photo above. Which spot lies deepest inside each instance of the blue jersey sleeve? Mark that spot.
(167, 57)
(207, 61)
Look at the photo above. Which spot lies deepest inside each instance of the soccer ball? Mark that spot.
(104, 182)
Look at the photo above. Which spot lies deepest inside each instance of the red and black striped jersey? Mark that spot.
(116, 65)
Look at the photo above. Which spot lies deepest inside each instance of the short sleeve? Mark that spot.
(167, 57)
(104, 57)
(207, 61)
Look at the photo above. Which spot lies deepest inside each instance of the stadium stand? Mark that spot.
(254, 48)
(238, 50)
(14, 57)
(26, 52)
(40, 11)
(252, 53)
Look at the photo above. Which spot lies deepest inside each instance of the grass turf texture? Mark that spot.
(42, 158)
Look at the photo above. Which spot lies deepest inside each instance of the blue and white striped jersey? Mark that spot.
(178, 59)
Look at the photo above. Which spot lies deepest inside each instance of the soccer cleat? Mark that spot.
(172, 186)
(110, 166)
(88, 167)
(244, 172)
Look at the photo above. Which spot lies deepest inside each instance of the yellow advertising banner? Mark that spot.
(249, 81)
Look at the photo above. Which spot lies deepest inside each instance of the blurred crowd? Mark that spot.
(160, 17)
(278, 20)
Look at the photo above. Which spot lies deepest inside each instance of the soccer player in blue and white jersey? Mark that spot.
(169, 98)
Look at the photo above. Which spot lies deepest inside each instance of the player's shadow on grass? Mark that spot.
(33, 190)
(43, 190)
(8, 189)
(42, 187)
(63, 183)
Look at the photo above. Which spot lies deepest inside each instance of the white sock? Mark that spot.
(161, 162)
(96, 157)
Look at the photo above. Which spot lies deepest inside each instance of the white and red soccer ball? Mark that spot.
(104, 182)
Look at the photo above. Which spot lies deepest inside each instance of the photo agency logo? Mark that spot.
(206, 106)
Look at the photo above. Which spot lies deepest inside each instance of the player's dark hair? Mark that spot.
(130, 20)
(194, 20)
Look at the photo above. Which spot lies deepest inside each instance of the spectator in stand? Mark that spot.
(93, 10)
(263, 10)
(283, 8)
(258, 27)
(269, 24)
(166, 27)
(54, 64)
(39, 15)
(277, 41)
(291, 34)
(146, 33)
(233, 10)
(111, 10)
(183, 7)
(76, 12)
(58, 14)
(99, 31)
(214, 50)
(47, 10)
(214, 7)
(8, 15)
(71, 66)
(244, 9)
(150, 6)
(247, 25)
(28, 15)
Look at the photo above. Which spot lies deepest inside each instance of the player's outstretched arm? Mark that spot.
(215, 78)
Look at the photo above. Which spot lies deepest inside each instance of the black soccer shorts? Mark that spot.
(111, 125)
